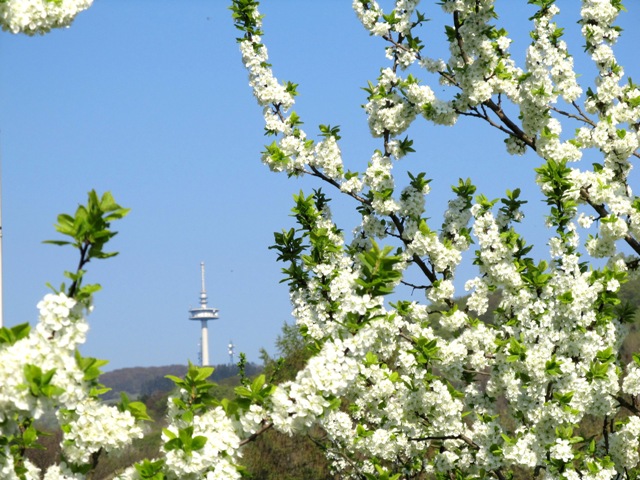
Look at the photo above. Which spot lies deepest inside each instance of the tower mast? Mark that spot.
(203, 314)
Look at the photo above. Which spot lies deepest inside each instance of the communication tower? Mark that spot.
(203, 314)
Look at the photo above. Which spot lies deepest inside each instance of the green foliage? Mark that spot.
(425, 350)
(378, 272)
(517, 351)
(39, 382)
(243, 18)
(91, 368)
(137, 409)
(553, 367)
(197, 386)
(556, 175)
(149, 470)
(419, 182)
(328, 131)
(25, 438)
(184, 440)
(255, 394)
(89, 232)
(310, 245)
(290, 247)
(9, 336)
(276, 154)
(381, 474)
(511, 204)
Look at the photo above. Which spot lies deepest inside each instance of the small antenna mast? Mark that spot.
(231, 351)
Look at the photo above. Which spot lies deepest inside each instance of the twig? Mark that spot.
(602, 211)
(462, 437)
(255, 435)
(415, 287)
(629, 406)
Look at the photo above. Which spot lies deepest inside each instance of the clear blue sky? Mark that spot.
(150, 101)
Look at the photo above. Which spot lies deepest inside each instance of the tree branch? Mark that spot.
(255, 435)
(602, 211)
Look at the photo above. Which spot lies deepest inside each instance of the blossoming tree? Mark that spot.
(406, 388)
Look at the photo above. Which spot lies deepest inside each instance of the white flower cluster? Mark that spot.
(495, 257)
(328, 158)
(39, 16)
(625, 444)
(441, 256)
(631, 383)
(27, 394)
(482, 66)
(368, 13)
(265, 86)
(549, 75)
(597, 22)
(456, 218)
(379, 178)
(297, 405)
(293, 152)
(60, 319)
(215, 460)
(392, 112)
(94, 426)
(606, 188)
(62, 472)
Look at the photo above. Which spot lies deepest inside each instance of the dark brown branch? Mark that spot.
(84, 249)
(605, 432)
(488, 119)
(95, 458)
(629, 406)
(317, 173)
(515, 129)
(415, 287)
(394, 218)
(253, 436)
(462, 437)
(581, 118)
(456, 24)
(476, 372)
(602, 211)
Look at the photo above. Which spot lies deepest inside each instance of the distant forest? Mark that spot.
(140, 382)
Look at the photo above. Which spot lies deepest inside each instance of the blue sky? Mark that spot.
(150, 101)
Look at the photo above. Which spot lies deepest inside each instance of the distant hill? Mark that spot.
(137, 382)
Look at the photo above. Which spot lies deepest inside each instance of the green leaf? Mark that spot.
(150, 470)
(11, 335)
(552, 367)
(378, 274)
(39, 382)
(198, 442)
(139, 411)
